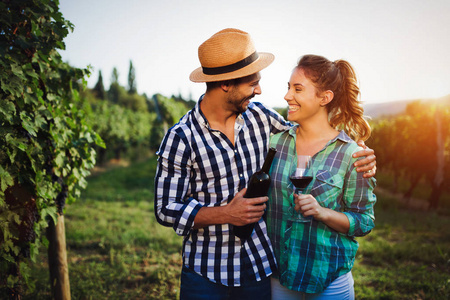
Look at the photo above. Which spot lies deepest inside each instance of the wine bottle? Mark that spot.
(258, 186)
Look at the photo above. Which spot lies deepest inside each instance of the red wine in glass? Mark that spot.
(300, 182)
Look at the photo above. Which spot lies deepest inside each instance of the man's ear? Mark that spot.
(225, 86)
(327, 97)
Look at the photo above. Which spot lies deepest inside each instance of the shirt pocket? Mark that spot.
(327, 188)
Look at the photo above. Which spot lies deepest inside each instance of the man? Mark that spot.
(204, 164)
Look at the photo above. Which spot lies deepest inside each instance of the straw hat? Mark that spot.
(229, 54)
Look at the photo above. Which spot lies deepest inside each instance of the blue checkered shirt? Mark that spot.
(200, 167)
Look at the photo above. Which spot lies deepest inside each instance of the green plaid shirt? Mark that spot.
(311, 255)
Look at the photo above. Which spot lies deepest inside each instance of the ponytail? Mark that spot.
(345, 110)
(347, 113)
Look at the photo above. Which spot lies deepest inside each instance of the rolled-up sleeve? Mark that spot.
(173, 207)
(359, 201)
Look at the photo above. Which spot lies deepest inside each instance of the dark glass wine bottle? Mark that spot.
(258, 186)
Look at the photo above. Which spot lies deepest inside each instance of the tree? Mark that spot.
(133, 101)
(114, 88)
(420, 159)
(115, 76)
(441, 172)
(131, 80)
(99, 89)
(45, 143)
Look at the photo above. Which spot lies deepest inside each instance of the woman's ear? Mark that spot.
(327, 96)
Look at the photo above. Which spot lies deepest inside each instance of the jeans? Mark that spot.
(196, 287)
(341, 288)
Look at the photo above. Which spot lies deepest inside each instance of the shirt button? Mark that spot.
(240, 175)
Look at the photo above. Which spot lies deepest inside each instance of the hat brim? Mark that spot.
(263, 61)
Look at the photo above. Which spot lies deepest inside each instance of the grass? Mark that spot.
(116, 249)
(407, 256)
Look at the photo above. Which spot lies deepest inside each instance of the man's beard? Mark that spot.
(238, 105)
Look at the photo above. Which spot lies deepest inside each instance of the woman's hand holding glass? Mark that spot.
(308, 206)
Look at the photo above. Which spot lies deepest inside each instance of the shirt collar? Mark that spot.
(293, 130)
(198, 114)
(342, 136)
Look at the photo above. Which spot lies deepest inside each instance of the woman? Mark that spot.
(315, 257)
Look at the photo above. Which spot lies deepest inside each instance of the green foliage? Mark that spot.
(407, 146)
(114, 92)
(48, 137)
(170, 109)
(117, 94)
(131, 125)
(121, 128)
(133, 101)
(46, 144)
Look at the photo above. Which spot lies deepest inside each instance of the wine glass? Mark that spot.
(300, 181)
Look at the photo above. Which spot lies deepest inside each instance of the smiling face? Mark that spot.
(302, 97)
(240, 94)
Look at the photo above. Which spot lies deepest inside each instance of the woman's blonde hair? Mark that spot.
(345, 110)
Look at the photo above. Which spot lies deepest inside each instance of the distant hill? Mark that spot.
(376, 110)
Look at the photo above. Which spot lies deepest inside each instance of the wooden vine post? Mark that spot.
(57, 259)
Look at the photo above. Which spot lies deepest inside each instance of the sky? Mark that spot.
(400, 49)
